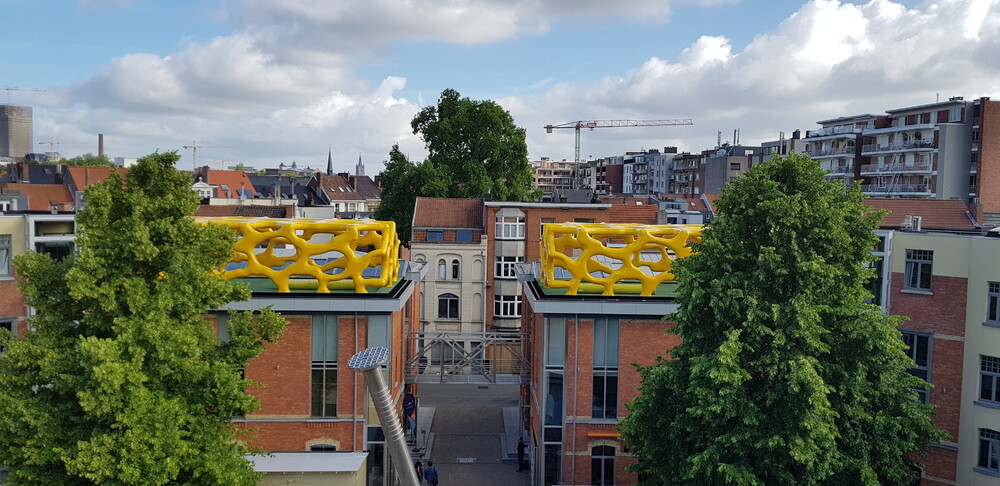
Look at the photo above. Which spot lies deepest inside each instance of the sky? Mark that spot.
(264, 82)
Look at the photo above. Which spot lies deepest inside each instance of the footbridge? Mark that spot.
(485, 358)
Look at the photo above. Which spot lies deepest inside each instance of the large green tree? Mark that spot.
(87, 160)
(474, 148)
(785, 375)
(120, 379)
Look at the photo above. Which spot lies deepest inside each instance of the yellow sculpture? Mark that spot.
(604, 257)
(314, 253)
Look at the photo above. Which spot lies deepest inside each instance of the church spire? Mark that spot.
(329, 162)
(359, 171)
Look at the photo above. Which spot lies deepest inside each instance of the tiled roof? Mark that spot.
(40, 196)
(435, 212)
(82, 177)
(250, 211)
(950, 214)
(234, 180)
(366, 187)
(630, 213)
(337, 188)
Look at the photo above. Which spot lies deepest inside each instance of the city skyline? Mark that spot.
(283, 81)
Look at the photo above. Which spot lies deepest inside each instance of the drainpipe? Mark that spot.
(354, 435)
(576, 375)
(370, 363)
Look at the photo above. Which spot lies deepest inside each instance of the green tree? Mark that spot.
(121, 381)
(785, 376)
(402, 182)
(478, 145)
(87, 160)
(473, 147)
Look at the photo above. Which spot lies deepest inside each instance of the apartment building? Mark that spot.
(16, 131)
(609, 175)
(551, 175)
(837, 146)
(685, 176)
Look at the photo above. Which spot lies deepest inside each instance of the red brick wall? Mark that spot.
(12, 303)
(284, 368)
(943, 314)
(989, 158)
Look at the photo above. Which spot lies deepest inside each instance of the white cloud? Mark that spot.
(285, 85)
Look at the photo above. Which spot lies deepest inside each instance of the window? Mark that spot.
(505, 266)
(435, 235)
(456, 270)
(989, 452)
(918, 348)
(324, 365)
(323, 448)
(442, 270)
(955, 115)
(989, 379)
(507, 306)
(463, 236)
(605, 377)
(602, 466)
(56, 249)
(5, 256)
(510, 228)
(8, 325)
(448, 306)
(222, 329)
(583, 220)
(918, 269)
(993, 303)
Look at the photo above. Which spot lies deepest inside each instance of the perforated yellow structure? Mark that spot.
(630, 258)
(314, 253)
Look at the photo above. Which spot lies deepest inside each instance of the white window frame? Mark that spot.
(989, 376)
(990, 440)
(5, 256)
(505, 267)
(912, 340)
(993, 303)
(510, 228)
(507, 306)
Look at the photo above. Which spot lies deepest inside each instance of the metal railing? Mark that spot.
(468, 357)
(896, 188)
(919, 166)
(890, 147)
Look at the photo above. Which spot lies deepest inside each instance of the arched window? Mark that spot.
(442, 270)
(448, 306)
(602, 466)
(456, 270)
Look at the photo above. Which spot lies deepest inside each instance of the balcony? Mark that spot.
(824, 152)
(921, 145)
(897, 189)
(897, 168)
(838, 169)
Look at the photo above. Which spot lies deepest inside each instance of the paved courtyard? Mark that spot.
(468, 441)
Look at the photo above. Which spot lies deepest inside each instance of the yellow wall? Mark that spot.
(14, 226)
(951, 252)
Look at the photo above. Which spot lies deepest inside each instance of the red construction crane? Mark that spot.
(592, 124)
(194, 151)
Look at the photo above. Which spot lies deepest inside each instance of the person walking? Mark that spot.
(521, 466)
(419, 466)
(431, 474)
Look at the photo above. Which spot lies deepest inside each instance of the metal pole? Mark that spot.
(369, 362)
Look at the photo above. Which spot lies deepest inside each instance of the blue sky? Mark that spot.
(284, 80)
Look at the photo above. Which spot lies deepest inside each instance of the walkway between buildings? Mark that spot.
(472, 435)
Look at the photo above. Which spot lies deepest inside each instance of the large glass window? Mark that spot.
(989, 378)
(505, 266)
(5, 256)
(507, 306)
(463, 236)
(324, 365)
(602, 466)
(448, 306)
(442, 270)
(918, 347)
(510, 228)
(918, 269)
(989, 451)
(435, 235)
(605, 375)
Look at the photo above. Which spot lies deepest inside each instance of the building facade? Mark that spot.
(16, 138)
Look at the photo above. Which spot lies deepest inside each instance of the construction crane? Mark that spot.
(8, 89)
(194, 151)
(52, 147)
(592, 124)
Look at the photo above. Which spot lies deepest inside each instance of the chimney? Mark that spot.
(100, 145)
